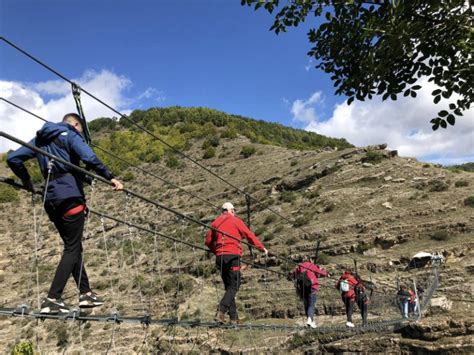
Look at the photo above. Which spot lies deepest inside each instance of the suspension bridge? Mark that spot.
(383, 295)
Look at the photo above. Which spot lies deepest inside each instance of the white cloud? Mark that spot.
(403, 124)
(153, 94)
(305, 110)
(52, 99)
(309, 65)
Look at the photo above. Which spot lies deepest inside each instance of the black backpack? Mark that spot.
(303, 284)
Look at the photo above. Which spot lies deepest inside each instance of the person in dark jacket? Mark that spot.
(65, 201)
(312, 272)
(228, 252)
(353, 291)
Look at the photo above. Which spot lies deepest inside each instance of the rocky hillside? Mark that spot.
(366, 204)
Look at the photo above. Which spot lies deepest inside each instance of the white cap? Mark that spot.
(227, 206)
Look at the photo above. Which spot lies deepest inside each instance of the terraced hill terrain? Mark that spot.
(363, 203)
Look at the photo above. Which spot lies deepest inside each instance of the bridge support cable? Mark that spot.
(167, 182)
(143, 229)
(147, 131)
(132, 193)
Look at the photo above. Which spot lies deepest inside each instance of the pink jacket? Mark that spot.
(312, 271)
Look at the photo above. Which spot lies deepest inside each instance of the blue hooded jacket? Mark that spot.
(63, 141)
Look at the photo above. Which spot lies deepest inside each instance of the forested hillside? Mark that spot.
(178, 125)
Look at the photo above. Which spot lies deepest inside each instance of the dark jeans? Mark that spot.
(229, 266)
(309, 304)
(349, 303)
(70, 229)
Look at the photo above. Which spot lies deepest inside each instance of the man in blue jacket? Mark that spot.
(65, 201)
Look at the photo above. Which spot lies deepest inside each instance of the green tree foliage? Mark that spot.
(102, 123)
(201, 122)
(179, 125)
(384, 47)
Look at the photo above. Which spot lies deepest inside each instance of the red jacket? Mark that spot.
(233, 226)
(353, 282)
(312, 271)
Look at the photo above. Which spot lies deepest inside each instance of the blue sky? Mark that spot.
(213, 53)
(198, 53)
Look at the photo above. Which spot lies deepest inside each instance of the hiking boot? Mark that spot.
(53, 307)
(220, 317)
(350, 324)
(90, 300)
(309, 321)
(313, 325)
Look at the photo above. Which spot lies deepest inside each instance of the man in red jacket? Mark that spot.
(227, 246)
(352, 291)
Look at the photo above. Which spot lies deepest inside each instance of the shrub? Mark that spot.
(313, 193)
(210, 152)
(181, 283)
(278, 229)
(23, 348)
(8, 194)
(291, 241)
(329, 206)
(230, 133)
(293, 163)
(438, 185)
(173, 162)
(270, 219)
(260, 230)
(301, 221)
(440, 235)
(212, 141)
(268, 237)
(232, 171)
(288, 196)
(469, 201)
(461, 183)
(373, 157)
(362, 247)
(128, 176)
(247, 151)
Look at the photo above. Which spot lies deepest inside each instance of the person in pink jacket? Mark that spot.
(307, 286)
